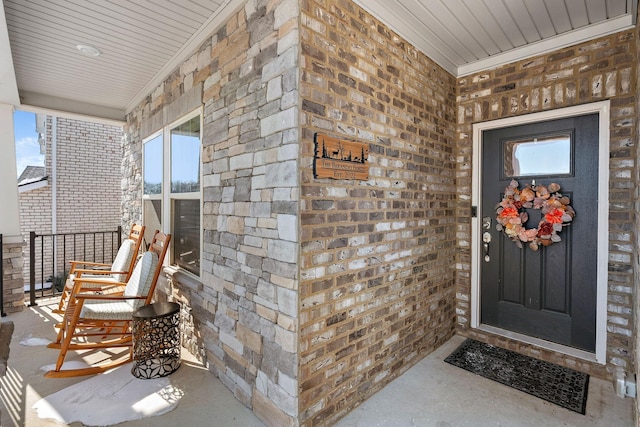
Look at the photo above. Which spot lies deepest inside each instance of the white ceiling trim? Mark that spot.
(550, 44)
(8, 84)
(430, 43)
(71, 109)
(227, 9)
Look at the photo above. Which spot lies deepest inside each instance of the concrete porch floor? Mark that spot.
(432, 393)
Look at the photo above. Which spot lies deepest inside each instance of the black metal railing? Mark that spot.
(49, 256)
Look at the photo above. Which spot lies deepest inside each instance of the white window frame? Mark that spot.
(166, 196)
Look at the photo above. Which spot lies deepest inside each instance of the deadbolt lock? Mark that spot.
(486, 223)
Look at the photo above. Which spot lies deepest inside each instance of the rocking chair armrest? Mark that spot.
(105, 272)
(109, 297)
(97, 281)
(87, 263)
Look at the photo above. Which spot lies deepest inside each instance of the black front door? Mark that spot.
(549, 293)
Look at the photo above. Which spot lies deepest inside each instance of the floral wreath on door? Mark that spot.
(511, 214)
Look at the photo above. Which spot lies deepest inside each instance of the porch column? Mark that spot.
(12, 241)
(9, 214)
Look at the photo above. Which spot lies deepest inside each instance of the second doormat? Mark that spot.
(556, 384)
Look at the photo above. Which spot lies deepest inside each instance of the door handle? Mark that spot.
(486, 239)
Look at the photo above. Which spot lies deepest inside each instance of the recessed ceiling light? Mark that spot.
(87, 50)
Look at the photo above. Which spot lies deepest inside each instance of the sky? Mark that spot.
(28, 151)
(27, 147)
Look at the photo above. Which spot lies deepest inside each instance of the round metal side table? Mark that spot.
(156, 340)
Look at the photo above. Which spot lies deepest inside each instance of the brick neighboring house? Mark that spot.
(78, 189)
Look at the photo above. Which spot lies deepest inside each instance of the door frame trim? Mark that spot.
(602, 108)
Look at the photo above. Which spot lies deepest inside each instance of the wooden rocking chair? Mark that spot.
(94, 321)
(118, 271)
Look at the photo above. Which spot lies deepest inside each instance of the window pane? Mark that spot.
(548, 155)
(152, 211)
(152, 155)
(186, 235)
(185, 157)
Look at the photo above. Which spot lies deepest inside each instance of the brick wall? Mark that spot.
(35, 215)
(35, 210)
(88, 195)
(88, 176)
(600, 69)
(243, 311)
(377, 267)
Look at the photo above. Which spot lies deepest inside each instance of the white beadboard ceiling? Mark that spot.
(466, 36)
(143, 40)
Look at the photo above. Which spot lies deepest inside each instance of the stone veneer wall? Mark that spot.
(601, 69)
(12, 277)
(244, 309)
(378, 256)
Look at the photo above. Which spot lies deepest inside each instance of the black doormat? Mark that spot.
(562, 386)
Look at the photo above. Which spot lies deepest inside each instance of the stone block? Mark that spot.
(262, 383)
(289, 40)
(235, 225)
(235, 49)
(274, 89)
(283, 174)
(266, 290)
(288, 301)
(269, 413)
(284, 401)
(249, 338)
(261, 28)
(279, 65)
(282, 250)
(278, 122)
(284, 12)
(244, 161)
(231, 341)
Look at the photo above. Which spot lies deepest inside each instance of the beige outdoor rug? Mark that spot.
(110, 398)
